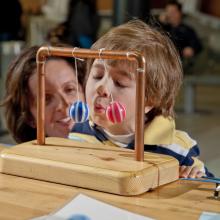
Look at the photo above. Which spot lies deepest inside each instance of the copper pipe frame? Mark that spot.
(45, 52)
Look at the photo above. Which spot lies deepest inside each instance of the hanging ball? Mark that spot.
(79, 112)
(115, 112)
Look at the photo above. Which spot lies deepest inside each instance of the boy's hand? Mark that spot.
(190, 172)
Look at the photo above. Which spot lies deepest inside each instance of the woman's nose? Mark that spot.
(63, 102)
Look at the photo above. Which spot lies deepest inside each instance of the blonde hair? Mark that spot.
(163, 65)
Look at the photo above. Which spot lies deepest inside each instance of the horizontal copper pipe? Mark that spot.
(45, 52)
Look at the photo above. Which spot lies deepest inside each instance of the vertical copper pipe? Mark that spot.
(41, 105)
(139, 105)
(44, 52)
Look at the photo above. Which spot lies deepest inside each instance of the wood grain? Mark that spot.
(100, 167)
(22, 198)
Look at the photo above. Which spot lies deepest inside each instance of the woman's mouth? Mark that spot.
(64, 121)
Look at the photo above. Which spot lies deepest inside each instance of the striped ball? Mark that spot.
(79, 112)
(115, 112)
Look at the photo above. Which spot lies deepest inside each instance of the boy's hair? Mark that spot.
(163, 65)
(17, 97)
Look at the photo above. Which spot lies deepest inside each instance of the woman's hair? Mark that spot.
(163, 66)
(16, 101)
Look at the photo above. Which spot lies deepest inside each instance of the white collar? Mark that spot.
(120, 140)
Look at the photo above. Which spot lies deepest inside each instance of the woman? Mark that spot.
(60, 91)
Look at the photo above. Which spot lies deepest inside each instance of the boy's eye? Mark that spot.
(119, 84)
(97, 76)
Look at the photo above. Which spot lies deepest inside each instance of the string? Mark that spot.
(111, 98)
(104, 64)
(76, 70)
(105, 67)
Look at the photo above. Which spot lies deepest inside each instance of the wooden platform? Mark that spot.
(99, 167)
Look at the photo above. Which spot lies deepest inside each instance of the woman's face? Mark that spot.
(60, 93)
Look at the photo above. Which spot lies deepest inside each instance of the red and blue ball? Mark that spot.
(79, 112)
(115, 112)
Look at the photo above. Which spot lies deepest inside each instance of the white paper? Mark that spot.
(209, 216)
(83, 207)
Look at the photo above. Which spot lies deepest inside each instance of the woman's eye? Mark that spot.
(70, 90)
(48, 98)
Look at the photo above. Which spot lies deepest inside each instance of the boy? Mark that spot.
(107, 80)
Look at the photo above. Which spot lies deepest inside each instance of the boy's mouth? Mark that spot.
(99, 108)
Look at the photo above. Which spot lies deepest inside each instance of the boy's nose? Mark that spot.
(103, 91)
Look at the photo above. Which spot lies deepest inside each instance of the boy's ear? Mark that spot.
(147, 109)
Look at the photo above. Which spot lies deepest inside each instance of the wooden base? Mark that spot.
(99, 167)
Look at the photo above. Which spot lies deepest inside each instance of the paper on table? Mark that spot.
(83, 207)
(209, 216)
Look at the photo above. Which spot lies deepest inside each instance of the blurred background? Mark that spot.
(25, 23)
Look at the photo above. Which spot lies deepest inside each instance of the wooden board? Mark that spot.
(99, 167)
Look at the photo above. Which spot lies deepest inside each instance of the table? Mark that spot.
(22, 198)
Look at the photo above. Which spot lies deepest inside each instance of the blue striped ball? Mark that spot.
(79, 112)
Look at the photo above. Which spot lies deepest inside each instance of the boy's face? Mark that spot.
(118, 81)
(60, 92)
